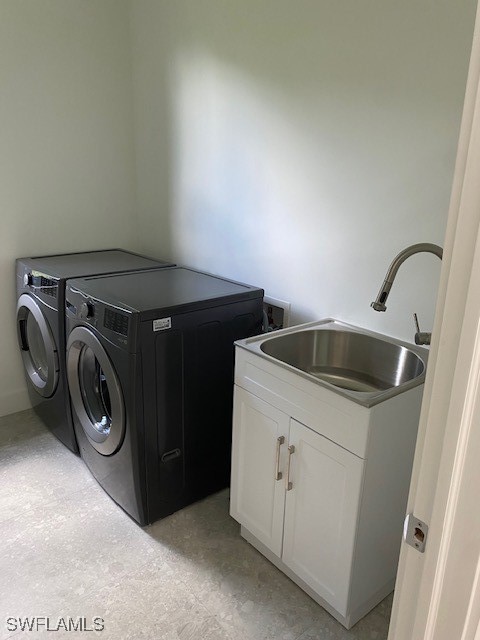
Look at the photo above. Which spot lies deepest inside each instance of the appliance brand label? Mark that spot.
(162, 323)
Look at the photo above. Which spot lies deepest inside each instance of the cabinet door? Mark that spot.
(257, 497)
(321, 514)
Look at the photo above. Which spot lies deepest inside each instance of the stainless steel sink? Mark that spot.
(357, 363)
(345, 359)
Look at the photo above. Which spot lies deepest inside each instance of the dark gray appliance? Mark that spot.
(40, 286)
(150, 370)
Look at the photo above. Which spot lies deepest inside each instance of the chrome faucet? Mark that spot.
(379, 302)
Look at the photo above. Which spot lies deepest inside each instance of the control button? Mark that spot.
(28, 279)
(86, 311)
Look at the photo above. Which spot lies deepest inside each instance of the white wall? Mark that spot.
(66, 144)
(299, 146)
(294, 145)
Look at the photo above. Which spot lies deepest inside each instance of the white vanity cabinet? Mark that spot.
(257, 490)
(297, 493)
(319, 483)
(320, 513)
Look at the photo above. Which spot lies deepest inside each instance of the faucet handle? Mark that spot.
(421, 337)
(417, 326)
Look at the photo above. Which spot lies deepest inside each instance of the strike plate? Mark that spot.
(415, 532)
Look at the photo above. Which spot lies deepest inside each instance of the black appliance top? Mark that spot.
(77, 265)
(162, 289)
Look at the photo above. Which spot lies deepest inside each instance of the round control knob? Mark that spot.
(86, 311)
(28, 279)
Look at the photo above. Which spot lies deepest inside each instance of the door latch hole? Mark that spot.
(419, 536)
(415, 532)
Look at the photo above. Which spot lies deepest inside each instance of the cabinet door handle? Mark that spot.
(288, 484)
(278, 473)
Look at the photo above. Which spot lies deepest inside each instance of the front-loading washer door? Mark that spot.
(37, 345)
(95, 391)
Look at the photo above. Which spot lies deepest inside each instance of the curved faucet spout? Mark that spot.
(379, 303)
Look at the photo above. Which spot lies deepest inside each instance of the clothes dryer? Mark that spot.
(150, 371)
(40, 286)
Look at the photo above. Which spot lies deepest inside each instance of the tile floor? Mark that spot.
(66, 550)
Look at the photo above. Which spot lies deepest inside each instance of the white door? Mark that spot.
(257, 493)
(321, 513)
(437, 594)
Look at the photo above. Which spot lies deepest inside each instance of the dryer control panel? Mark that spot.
(41, 285)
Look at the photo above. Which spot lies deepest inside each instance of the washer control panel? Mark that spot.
(115, 321)
(115, 324)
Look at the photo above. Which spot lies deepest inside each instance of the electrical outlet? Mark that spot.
(277, 312)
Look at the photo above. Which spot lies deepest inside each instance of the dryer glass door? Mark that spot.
(39, 352)
(95, 391)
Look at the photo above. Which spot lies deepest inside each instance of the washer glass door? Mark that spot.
(95, 391)
(39, 352)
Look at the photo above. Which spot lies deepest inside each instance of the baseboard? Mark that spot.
(14, 401)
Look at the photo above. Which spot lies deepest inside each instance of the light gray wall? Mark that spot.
(299, 146)
(294, 145)
(66, 144)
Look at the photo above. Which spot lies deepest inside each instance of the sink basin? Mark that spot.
(348, 360)
(359, 364)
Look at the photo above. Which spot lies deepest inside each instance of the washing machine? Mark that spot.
(40, 286)
(150, 371)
